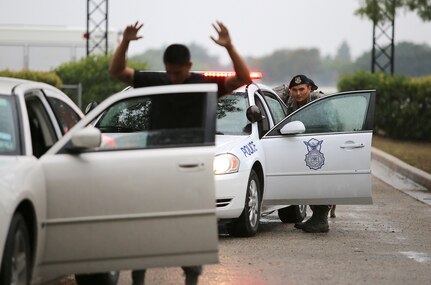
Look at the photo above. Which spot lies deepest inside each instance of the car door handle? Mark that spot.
(191, 166)
(351, 145)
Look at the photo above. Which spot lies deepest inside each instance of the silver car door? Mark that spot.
(145, 197)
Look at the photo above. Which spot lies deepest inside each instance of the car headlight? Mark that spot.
(225, 163)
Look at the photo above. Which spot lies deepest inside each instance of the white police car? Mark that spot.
(266, 161)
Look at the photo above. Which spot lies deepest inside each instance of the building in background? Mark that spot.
(44, 48)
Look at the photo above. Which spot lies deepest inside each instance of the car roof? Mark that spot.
(8, 83)
(259, 85)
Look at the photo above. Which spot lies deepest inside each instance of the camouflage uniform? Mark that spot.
(283, 92)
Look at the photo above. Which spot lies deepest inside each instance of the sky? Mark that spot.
(257, 27)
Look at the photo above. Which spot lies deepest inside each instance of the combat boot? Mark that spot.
(310, 220)
(320, 223)
(138, 277)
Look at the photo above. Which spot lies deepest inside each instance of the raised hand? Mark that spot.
(131, 32)
(223, 35)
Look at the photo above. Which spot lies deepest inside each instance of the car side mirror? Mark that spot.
(86, 138)
(90, 107)
(293, 128)
(253, 114)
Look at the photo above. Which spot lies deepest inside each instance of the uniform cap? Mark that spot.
(302, 79)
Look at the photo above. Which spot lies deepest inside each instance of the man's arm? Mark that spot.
(118, 68)
(242, 74)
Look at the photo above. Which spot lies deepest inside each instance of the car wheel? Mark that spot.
(293, 214)
(15, 268)
(247, 224)
(108, 278)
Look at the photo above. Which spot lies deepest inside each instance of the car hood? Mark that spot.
(225, 143)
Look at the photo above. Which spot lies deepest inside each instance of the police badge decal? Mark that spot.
(314, 159)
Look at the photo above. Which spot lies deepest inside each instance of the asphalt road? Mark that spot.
(388, 242)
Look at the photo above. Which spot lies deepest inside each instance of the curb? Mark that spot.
(419, 176)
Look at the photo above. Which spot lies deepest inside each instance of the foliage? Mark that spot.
(92, 73)
(410, 59)
(282, 65)
(379, 10)
(403, 104)
(199, 56)
(40, 76)
(343, 52)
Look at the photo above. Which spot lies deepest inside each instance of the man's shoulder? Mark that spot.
(282, 91)
(197, 78)
(316, 94)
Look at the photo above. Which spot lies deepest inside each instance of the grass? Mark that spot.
(417, 154)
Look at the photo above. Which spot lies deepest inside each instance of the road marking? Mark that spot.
(416, 256)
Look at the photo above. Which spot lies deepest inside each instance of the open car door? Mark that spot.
(321, 154)
(131, 186)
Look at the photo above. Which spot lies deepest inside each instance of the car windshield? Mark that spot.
(231, 115)
(8, 127)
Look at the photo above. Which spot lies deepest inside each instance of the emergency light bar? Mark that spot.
(253, 75)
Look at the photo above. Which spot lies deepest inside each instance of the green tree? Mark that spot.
(343, 53)
(410, 59)
(92, 73)
(282, 65)
(40, 76)
(199, 56)
(376, 10)
(152, 57)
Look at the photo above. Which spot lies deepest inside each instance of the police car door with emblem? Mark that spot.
(321, 154)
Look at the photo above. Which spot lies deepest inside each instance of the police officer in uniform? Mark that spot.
(300, 91)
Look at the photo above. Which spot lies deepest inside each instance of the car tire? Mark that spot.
(248, 223)
(293, 214)
(16, 267)
(108, 278)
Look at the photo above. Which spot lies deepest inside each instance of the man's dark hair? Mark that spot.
(176, 54)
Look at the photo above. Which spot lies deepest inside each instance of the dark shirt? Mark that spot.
(148, 78)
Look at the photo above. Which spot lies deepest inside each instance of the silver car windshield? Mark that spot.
(231, 115)
(9, 139)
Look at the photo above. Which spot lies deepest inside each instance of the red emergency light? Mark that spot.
(253, 75)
